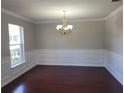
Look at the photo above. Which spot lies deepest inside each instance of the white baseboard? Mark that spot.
(117, 75)
(114, 64)
(8, 78)
(65, 57)
(8, 74)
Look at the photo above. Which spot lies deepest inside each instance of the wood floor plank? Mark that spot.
(64, 79)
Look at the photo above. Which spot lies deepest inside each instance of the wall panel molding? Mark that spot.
(70, 57)
(65, 57)
(9, 74)
(114, 64)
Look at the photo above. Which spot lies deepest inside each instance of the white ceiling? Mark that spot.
(45, 10)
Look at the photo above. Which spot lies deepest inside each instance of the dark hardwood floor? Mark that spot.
(65, 79)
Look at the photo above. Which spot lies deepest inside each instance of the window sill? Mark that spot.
(16, 65)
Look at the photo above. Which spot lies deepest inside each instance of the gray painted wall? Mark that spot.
(8, 74)
(29, 29)
(114, 44)
(114, 33)
(85, 35)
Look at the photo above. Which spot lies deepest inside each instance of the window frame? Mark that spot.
(21, 44)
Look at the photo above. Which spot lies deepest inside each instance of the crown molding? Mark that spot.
(41, 22)
(58, 21)
(114, 12)
(15, 15)
(76, 20)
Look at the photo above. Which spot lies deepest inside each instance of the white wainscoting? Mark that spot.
(70, 57)
(114, 64)
(8, 74)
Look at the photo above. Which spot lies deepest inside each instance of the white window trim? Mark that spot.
(16, 65)
(22, 47)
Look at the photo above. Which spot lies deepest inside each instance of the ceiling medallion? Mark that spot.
(64, 28)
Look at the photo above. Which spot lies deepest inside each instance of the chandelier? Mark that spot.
(64, 28)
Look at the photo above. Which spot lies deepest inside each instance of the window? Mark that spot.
(16, 45)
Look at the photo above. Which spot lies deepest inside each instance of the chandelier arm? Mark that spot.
(64, 28)
(64, 19)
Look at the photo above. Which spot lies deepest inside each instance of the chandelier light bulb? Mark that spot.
(64, 28)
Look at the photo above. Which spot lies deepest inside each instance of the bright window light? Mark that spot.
(16, 45)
